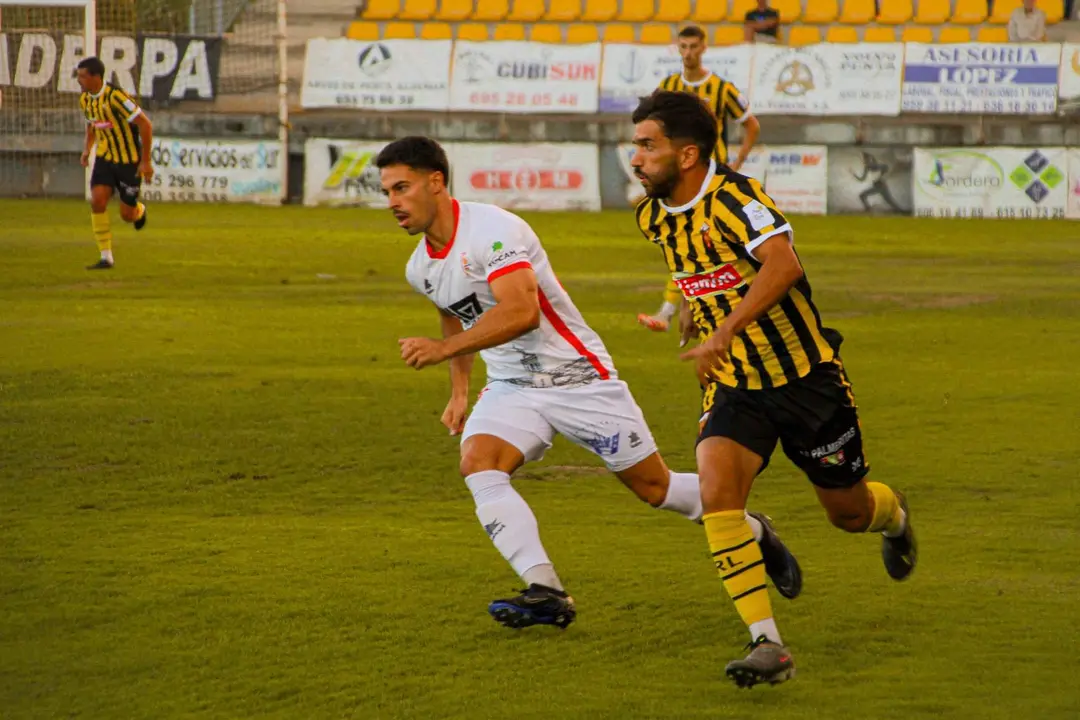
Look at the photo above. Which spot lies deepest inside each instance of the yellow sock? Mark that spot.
(672, 293)
(139, 210)
(739, 562)
(888, 516)
(102, 234)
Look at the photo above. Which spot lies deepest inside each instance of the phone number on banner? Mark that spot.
(176, 187)
(482, 98)
(1015, 211)
(935, 104)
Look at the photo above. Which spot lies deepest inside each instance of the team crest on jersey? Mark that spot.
(465, 263)
(704, 230)
(467, 310)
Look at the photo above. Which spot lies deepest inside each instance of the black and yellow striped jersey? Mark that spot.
(723, 98)
(709, 247)
(111, 113)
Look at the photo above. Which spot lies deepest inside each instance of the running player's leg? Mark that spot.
(502, 433)
(128, 184)
(101, 190)
(662, 319)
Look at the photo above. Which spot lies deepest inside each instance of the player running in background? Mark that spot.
(770, 370)
(548, 372)
(124, 136)
(726, 102)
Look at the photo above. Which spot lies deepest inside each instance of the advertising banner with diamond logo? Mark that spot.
(991, 182)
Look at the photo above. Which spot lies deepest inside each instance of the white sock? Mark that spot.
(903, 525)
(683, 496)
(667, 311)
(106, 255)
(756, 526)
(766, 628)
(511, 525)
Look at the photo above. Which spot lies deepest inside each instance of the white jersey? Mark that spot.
(489, 242)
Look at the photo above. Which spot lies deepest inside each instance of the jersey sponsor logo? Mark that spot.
(758, 215)
(467, 310)
(719, 280)
(502, 258)
(102, 125)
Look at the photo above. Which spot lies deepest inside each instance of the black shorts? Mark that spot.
(123, 177)
(814, 418)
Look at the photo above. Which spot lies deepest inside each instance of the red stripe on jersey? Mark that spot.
(446, 249)
(568, 335)
(519, 265)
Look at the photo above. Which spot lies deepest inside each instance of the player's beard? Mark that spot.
(660, 184)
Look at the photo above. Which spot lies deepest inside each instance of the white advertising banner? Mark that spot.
(1069, 77)
(342, 172)
(383, 75)
(824, 79)
(525, 77)
(991, 182)
(633, 71)
(552, 176)
(796, 177)
(197, 170)
(993, 78)
(1072, 208)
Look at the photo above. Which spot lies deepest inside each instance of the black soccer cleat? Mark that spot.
(536, 605)
(900, 553)
(102, 264)
(767, 662)
(141, 222)
(780, 564)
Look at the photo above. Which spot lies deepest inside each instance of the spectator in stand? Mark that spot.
(1027, 24)
(762, 24)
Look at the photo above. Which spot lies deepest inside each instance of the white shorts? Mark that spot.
(601, 416)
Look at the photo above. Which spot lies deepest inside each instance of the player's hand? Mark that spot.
(419, 352)
(687, 327)
(84, 159)
(735, 165)
(710, 354)
(146, 170)
(453, 416)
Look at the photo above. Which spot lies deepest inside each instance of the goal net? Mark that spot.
(200, 57)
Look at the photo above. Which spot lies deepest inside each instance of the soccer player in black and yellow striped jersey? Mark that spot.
(727, 103)
(124, 136)
(769, 369)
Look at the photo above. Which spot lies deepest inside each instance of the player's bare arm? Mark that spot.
(453, 416)
(88, 146)
(146, 137)
(780, 270)
(751, 131)
(517, 311)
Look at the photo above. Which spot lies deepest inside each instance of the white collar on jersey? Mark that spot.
(100, 92)
(700, 194)
(708, 74)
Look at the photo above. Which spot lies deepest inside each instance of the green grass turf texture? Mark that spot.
(222, 494)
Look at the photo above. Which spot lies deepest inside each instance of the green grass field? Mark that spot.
(223, 495)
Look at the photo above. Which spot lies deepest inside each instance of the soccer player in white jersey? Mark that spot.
(548, 373)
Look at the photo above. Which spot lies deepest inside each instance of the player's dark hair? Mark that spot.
(417, 153)
(683, 117)
(92, 65)
(692, 31)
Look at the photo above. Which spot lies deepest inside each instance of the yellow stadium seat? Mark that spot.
(360, 30)
(563, 10)
(580, 33)
(526, 10)
(599, 11)
(932, 12)
(803, 35)
(969, 12)
(399, 31)
(656, 34)
(1003, 10)
(509, 31)
(436, 31)
(1055, 11)
(790, 10)
(739, 8)
(917, 34)
(992, 35)
(672, 11)
(821, 12)
(894, 12)
(477, 32)
(729, 35)
(417, 10)
(637, 10)
(707, 12)
(454, 10)
(857, 12)
(954, 35)
(841, 34)
(618, 33)
(381, 9)
(546, 33)
(490, 10)
(879, 35)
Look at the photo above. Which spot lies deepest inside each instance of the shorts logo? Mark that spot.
(635, 439)
(826, 452)
(719, 280)
(837, 458)
(493, 528)
(604, 445)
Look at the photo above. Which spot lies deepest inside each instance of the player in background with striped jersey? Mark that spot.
(548, 372)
